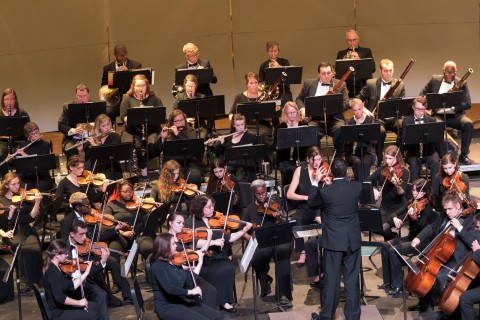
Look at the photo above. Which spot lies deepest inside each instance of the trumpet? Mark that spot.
(351, 54)
(212, 140)
(79, 143)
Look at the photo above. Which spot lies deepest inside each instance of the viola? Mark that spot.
(87, 248)
(180, 258)
(189, 189)
(218, 221)
(323, 166)
(418, 206)
(272, 209)
(147, 204)
(454, 182)
(226, 184)
(85, 178)
(392, 172)
(108, 220)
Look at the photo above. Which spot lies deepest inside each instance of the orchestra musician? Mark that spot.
(10, 108)
(354, 51)
(287, 158)
(274, 61)
(341, 240)
(24, 234)
(140, 94)
(172, 286)
(455, 116)
(217, 268)
(373, 92)
(72, 135)
(194, 62)
(303, 178)
(221, 181)
(320, 87)
(58, 286)
(352, 152)
(6, 292)
(415, 153)
(419, 213)
(257, 213)
(393, 177)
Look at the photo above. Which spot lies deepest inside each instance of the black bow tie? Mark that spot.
(326, 84)
(387, 83)
(120, 65)
(73, 247)
(192, 65)
(419, 120)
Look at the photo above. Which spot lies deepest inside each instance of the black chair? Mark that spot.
(42, 302)
(137, 297)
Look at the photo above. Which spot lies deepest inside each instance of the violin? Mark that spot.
(108, 220)
(28, 196)
(85, 178)
(147, 204)
(392, 172)
(454, 182)
(418, 206)
(272, 209)
(186, 235)
(87, 248)
(180, 258)
(189, 189)
(71, 266)
(226, 184)
(323, 166)
(233, 221)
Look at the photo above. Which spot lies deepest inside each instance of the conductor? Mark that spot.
(340, 240)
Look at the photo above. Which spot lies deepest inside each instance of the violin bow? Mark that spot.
(91, 176)
(19, 206)
(330, 166)
(138, 209)
(183, 190)
(416, 198)
(81, 282)
(266, 208)
(226, 214)
(385, 181)
(189, 265)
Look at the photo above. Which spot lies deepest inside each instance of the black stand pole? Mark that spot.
(7, 275)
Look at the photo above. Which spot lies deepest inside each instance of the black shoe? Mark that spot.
(315, 316)
(285, 302)
(384, 286)
(115, 289)
(231, 310)
(463, 158)
(128, 301)
(114, 302)
(395, 290)
(314, 283)
(420, 308)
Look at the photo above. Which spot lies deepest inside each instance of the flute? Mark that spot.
(79, 143)
(212, 140)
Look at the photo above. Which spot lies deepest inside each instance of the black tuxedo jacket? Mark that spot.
(131, 64)
(340, 223)
(205, 87)
(434, 85)
(370, 93)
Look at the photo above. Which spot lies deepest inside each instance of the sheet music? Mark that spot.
(307, 233)
(128, 262)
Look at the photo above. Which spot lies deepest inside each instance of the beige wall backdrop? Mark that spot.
(48, 46)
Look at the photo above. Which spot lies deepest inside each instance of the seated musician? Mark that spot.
(6, 294)
(36, 146)
(81, 212)
(419, 213)
(58, 286)
(455, 116)
(287, 159)
(462, 229)
(174, 287)
(244, 170)
(257, 213)
(352, 152)
(221, 181)
(450, 177)
(373, 92)
(303, 178)
(19, 223)
(217, 268)
(10, 108)
(140, 94)
(415, 153)
(393, 178)
(321, 87)
(175, 222)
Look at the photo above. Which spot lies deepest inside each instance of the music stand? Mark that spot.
(245, 153)
(424, 133)
(156, 219)
(324, 106)
(142, 116)
(205, 108)
(367, 196)
(12, 127)
(360, 133)
(111, 153)
(32, 164)
(84, 112)
(445, 100)
(221, 201)
(183, 149)
(204, 75)
(273, 236)
(294, 75)
(256, 111)
(363, 69)
(123, 79)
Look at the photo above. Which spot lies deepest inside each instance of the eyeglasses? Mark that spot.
(178, 120)
(420, 109)
(261, 193)
(86, 205)
(292, 113)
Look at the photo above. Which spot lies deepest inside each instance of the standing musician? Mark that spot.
(352, 152)
(36, 146)
(10, 108)
(221, 181)
(244, 170)
(341, 240)
(194, 62)
(354, 51)
(274, 61)
(393, 177)
(140, 94)
(304, 177)
(455, 116)
(217, 269)
(321, 87)
(173, 287)
(17, 221)
(265, 213)
(374, 91)
(463, 232)
(287, 158)
(415, 153)
(450, 177)
(58, 286)
(419, 213)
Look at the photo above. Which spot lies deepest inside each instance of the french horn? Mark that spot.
(110, 96)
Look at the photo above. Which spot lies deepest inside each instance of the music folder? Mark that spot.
(310, 230)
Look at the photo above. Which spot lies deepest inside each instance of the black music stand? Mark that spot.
(142, 116)
(32, 164)
(204, 75)
(326, 105)
(273, 236)
(424, 133)
(85, 112)
(395, 108)
(123, 79)
(184, 150)
(12, 127)
(156, 219)
(257, 111)
(363, 70)
(201, 108)
(367, 196)
(245, 153)
(111, 154)
(294, 75)
(360, 133)
(444, 100)
(221, 201)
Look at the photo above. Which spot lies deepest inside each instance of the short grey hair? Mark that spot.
(259, 183)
